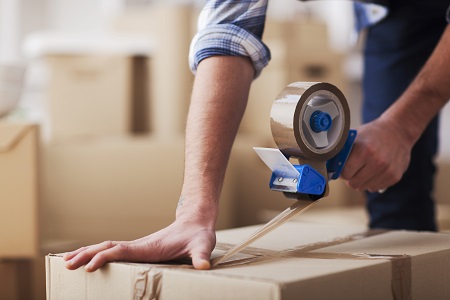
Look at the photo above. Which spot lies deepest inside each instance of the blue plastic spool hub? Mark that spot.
(320, 121)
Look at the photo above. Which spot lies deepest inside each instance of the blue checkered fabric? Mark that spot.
(231, 27)
(235, 28)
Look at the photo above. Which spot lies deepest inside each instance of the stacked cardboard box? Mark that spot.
(297, 261)
(442, 187)
(89, 95)
(114, 188)
(18, 190)
(170, 77)
(19, 232)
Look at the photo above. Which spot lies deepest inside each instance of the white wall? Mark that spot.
(9, 29)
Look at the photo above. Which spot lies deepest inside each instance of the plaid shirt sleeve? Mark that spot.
(232, 28)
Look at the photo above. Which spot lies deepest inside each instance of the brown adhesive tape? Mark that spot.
(289, 110)
(401, 267)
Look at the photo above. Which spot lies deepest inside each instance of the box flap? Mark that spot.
(12, 133)
(304, 261)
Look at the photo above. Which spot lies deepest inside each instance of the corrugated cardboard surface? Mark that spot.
(18, 190)
(297, 261)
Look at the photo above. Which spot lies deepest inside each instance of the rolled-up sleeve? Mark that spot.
(231, 27)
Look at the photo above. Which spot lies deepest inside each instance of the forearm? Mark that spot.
(218, 102)
(426, 95)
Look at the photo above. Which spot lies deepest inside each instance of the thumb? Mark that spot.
(200, 260)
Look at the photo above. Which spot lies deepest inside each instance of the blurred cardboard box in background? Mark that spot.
(115, 188)
(170, 27)
(442, 186)
(18, 190)
(91, 85)
(11, 287)
(24, 279)
(90, 95)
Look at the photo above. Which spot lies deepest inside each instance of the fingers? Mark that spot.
(121, 251)
(375, 174)
(83, 255)
(70, 255)
(369, 179)
(355, 162)
(173, 242)
(371, 167)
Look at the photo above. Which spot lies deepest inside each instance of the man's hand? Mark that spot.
(379, 157)
(179, 240)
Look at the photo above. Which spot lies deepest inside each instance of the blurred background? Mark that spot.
(93, 102)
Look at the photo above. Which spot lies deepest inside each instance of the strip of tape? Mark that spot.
(298, 207)
(401, 267)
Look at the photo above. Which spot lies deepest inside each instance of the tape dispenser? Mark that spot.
(310, 122)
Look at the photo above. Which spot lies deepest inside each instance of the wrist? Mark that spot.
(413, 111)
(408, 134)
(202, 211)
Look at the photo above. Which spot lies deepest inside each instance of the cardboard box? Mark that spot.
(8, 281)
(297, 261)
(15, 279)
(89, 95)
(115, 188)
(18, 190)
(442, 188)
(443, 217)
(24, 279)
(170, 78)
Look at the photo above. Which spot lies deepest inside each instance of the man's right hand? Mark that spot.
(181, 239)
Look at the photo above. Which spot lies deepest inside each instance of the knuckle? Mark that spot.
(397, 177)
(394, 174)
(123, 249)
(382, 163)
(109, 244)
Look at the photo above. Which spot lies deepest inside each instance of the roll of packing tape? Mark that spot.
(293, 120)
